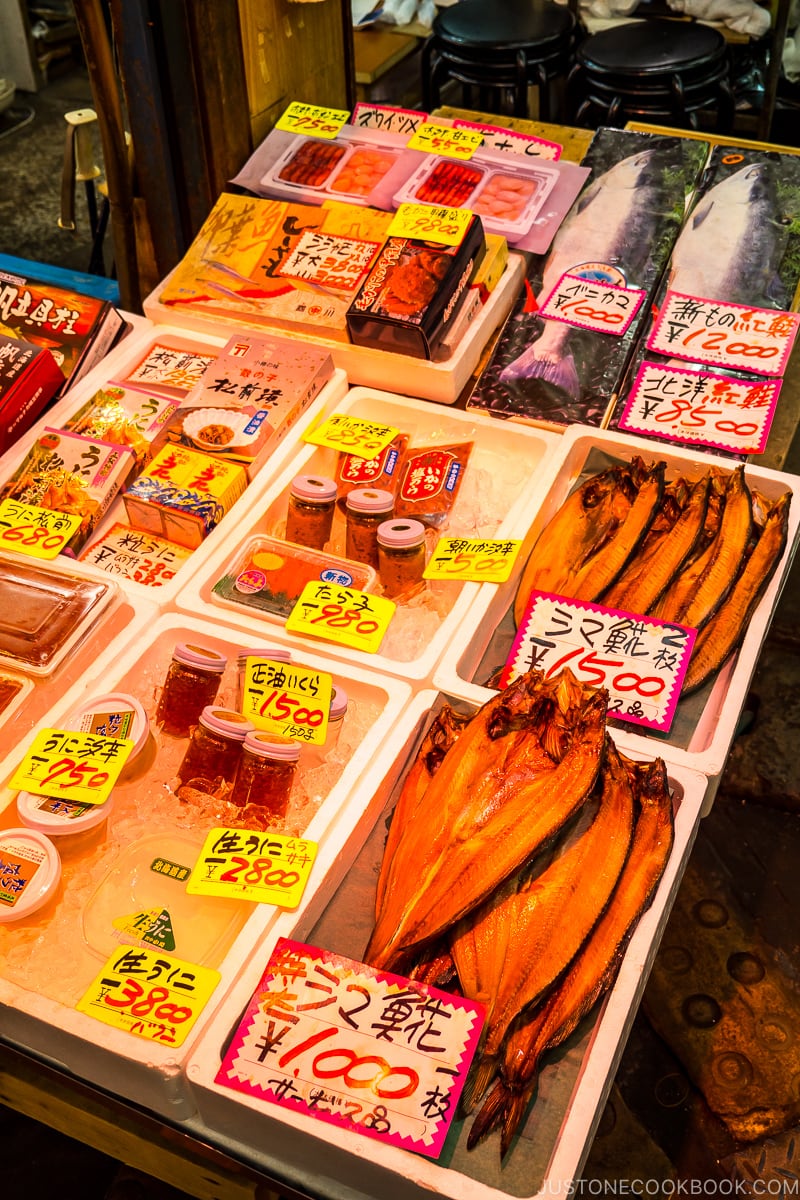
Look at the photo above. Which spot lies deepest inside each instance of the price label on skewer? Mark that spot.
(725, 335)
(341, 614)
(37, 532)
(446, 140)
(430, 223)
(362, 1049)
(352, 435)
(248, 864)
(312, 119)
(72, 766)
(291, 701)
(479, 559)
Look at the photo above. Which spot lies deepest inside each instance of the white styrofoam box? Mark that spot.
(38, 1012)
(705, 722)
(116, 366)
(440, 381)
(300, 1152)
(508, 472)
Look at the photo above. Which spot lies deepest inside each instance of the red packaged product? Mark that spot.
(430, 479)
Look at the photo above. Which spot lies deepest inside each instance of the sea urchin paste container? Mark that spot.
(30, 872)
(73, 826)
(114, 715)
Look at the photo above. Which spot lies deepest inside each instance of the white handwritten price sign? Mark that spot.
(352, 435)
(639, 660)
(726, 335)
(388, 117)
(149, 993)
(341, 614)
(508, 141)
(361, 1049)
(245, 864)
(592, 304)
(72, 766)
(479, 559)
(292, 701)
(37, 532)
(311, 119)
(430, 223)
(445, 140)
(701, 407)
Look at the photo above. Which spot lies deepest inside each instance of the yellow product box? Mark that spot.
(492, 265)
(183, 495)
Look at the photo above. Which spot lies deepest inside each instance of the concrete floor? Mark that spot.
(665, 1118)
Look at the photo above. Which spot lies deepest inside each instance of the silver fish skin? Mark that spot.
(612, 222)
(732, 243)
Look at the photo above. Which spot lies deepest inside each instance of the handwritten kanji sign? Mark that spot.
(341, 614)
(388, 117)
(430, 223)
(592, 304)
(291, 701)
(35, 531)
(72, 766)
(248, 864)
(445, 140)
(312, 119)
(353, 435)
(483, 560)
(511, 141)
(359, 1048)
(701, 407)
(639, 660)
(723, 334)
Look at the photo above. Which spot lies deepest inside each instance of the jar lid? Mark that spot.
(30, 871)
(338, 704)
(117, 715)
(370, 500)
(192, 655)
(271, 745)
(227, 721)
(399, 533)
(276, 653)
(59, 818)
(314, 487)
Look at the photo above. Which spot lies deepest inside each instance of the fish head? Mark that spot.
(751, 186)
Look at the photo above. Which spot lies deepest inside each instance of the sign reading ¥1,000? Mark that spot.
(248, 864)
(37, 532)
(312, 119)
(72, 766)
(352, 435)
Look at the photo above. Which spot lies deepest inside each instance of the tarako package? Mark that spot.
(619, 231)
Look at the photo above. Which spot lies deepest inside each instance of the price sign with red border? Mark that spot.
(482, 560)
(37, 532)
(340, 614)
(511, 141)
(291, 701)
(388, 117)
(725, 335)
(430, 223)
(248, 864)
(591, 304)
(352, 435)
(445, 140)
(640, 661)
(312, 120)
(149, 993)
(361, 1049)
(83, 767)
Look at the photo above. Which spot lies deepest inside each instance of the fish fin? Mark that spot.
(560, 372)
(490, 1114)
(513, 1114)
(478, 1081)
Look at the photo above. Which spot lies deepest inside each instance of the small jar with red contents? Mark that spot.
(191, 684)
(214, 749)
(265, 774)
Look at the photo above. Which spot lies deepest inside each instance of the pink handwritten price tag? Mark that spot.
(312, 119)
(640, 661)
(388, 117)
(725, 335)
(592, 304)
(701, 407)
(509, 141)
(361, 1049)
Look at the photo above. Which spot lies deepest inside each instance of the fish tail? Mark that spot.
(478, 1081)
(559, 371)
(513, 1114)
(490, 1114)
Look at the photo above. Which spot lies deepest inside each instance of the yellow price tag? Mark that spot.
(341, 614)
(446, 140)
(248, 864)
(150, 994)
(312, 119)
(37, 532)
(480, 560)
(83, 767)
(352, 435)
(430, 223)
(291, 701)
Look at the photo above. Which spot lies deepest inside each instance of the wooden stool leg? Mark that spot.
(428, 68)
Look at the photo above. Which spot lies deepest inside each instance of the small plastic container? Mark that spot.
(265, 774)
(309, 518)
(366, 509)
(116, 715)
(214, 749)
(275, 653)
(192, 683)
(317, 753)
(401, 557)
(74, 827)
(30, 872)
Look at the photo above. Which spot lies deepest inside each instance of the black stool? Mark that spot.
(661, 71)
(499, 48)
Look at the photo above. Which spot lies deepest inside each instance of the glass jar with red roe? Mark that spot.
(191, 684)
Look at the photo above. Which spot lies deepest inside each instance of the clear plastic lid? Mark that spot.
(226, 721)
(116, 714)
(400, 533)
(370, 500)
(316, 488)
(192, 655)
(30, 872)
(338, 704)
(60, 818)
(270, 745)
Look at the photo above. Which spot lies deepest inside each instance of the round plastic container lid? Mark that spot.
(227, 721)
(338, 704)
(270, 745)
(35, 860)
(276, 653)
(314, 487)
(399, 533)
(370, 500)
(57, 819)
(91, 715)
(192, 655)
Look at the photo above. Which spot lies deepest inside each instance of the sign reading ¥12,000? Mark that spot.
(359, 1048)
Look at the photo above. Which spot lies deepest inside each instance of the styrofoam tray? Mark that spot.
(40, 1013)
(440, 381)
(505, 479)
(116, 366)
(573, 1086)
(705, 723)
